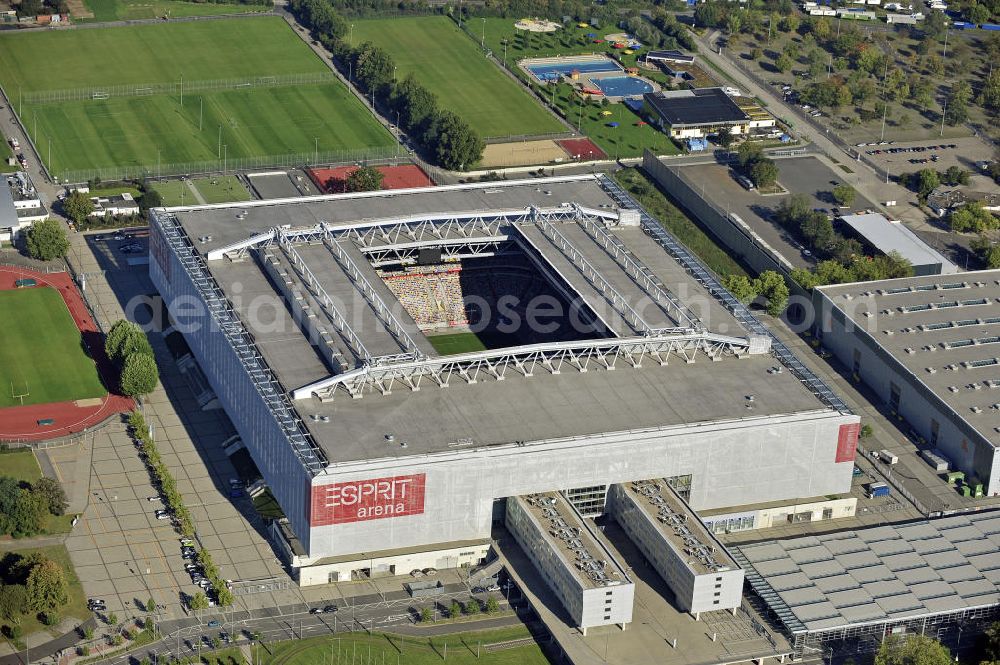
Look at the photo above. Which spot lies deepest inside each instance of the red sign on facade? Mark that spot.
(847, 442)
(373, 499)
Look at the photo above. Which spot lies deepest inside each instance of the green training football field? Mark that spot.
(41, 351)
(450, 65)
(157, 53)
(142, 131)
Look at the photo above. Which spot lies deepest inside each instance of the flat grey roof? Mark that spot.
(701, 106)
(570, 537)
(887, 236)
(8, 214)
(678, 525)
(879, 574)
(944, 329)
(464, 415)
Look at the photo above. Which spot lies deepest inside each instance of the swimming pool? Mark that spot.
(549, 71)
(623, 86)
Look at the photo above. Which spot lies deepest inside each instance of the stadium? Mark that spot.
(599, 352)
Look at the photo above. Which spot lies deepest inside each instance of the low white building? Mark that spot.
(696, 566)
(20, 206)
(778, 513)
(115, 205)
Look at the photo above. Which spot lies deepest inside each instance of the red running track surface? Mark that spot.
(585, 148)
(21, 422)
(332, 181)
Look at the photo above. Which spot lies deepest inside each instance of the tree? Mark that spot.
(52, 494)
(772, 286)
(912, 650)
(150, 605)
(764, 173)
(991, 643)
(472, 607)
(13, 600)
(454, 609)
(990, 96)
(783, 62)
(29, 516)
(956, 175)
(972, 217)
(125, 338)
(957, 109)
(77, 206)
(46, 240)
(414, 103)
(455, 145)
(844, 194)
(364, 179)
(149, 199)
(46, 587)
(741, 287)
(749, 153)
(139, 375)
(426, 614)
(199, 601)
(492, 606)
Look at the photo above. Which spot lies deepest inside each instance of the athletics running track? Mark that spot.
(21, 422)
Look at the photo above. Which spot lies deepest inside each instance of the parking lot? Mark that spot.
(799, 175)
(907, 157)
(122, 553)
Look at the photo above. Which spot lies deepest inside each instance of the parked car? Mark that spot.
(329, 609)
(214, 623)
(315, 610)
(162, 515)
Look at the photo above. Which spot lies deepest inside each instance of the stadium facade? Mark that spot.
(612, 355)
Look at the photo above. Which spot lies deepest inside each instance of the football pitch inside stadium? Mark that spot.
(224, 123)
(452, 66)
(41, 352)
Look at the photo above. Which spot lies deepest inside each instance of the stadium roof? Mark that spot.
(880, 574)
(886, 236)
(473, 414)
(943, 329)
(702, 106)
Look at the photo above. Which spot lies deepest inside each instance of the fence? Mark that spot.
(303, 159)
(173, 88)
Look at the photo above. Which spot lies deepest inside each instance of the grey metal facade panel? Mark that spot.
(8, 213)
(282, 470)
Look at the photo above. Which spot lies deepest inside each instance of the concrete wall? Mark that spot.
(745, 246)
(765, 518)
(695, 593)
(751, 460)
(400, 564)
(967, 450)
(288, 478)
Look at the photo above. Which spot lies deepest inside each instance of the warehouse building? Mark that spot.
(696, 567)
(866, 584)
(591, 585)
(695, 113)
(928, 347)
(314, 319)
(880, 235)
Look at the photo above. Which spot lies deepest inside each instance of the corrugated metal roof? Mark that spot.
(892, 572)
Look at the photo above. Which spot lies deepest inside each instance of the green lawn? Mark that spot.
(462, 342)
(461, 649)
(144, 131)
(157, 53)
(130, 10)
(673, 219)
(451, 66)
(628, 139)
(221, 189)
(213, 189)
(41, 352)
(77, 605)
(21, 465)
